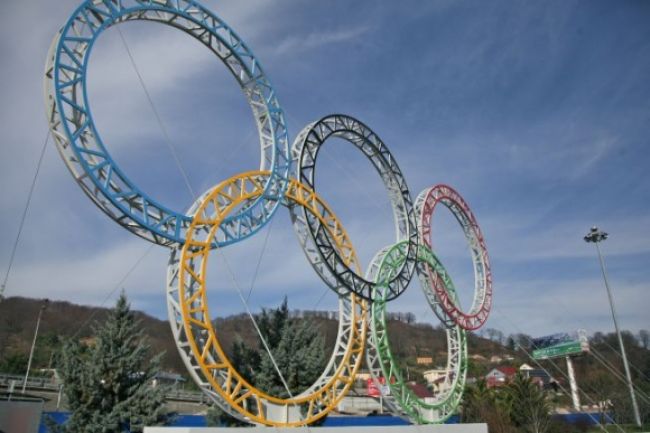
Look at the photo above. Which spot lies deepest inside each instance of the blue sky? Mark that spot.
(536, 112)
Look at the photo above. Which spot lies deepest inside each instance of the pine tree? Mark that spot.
(108, 384)
(529, 409)
(297, 348)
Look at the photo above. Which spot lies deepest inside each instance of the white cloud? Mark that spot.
(295, 44)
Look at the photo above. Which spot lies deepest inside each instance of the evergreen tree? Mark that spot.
(297, 348)
(246, 359)
(484, 405)
(108, 384)
(529, 409)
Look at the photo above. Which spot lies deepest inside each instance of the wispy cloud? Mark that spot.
(296, 44)
(535, 114)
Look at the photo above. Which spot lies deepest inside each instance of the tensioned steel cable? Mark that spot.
(259, 259)
(193, 194)
(620, 377)
(24, 216)
(645, 377)
(536, 362)
(612, 370)
(616, 351)
(610, 365)
(114, 289)
(168, 140)
(183, 174)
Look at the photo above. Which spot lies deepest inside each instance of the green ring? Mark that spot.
(390, 262)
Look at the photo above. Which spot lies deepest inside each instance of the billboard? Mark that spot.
(562, 344)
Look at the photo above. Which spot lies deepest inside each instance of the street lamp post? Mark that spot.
(595, 236)
(31, 351)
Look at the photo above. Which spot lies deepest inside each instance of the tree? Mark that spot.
(600, 386)
(108, 383)
(14, 363)
(495, 335)
(644, 338)
(521, 406)
(245, 358)
(297, 348)
(529, 410)
(510, 343)
(523, 342)
(485, 405)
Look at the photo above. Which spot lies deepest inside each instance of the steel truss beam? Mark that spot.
(305, 151)
(197, 339)
(447, 309)
(379, 357)
(87, 156)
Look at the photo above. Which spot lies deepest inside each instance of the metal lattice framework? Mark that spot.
(195, 332)
(447, 309)
(379, 356)
(240, 206)
(305, 151)
(87, 156)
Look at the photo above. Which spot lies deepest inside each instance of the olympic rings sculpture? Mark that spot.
(238, 207)
(86, 155)
(446, 307)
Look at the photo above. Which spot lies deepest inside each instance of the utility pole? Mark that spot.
(597, 236)
(31, 351)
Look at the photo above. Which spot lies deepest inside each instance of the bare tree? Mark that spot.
(644, 338)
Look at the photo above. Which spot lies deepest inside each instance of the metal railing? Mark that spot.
(48, 384)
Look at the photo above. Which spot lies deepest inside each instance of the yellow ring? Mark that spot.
(213, 362)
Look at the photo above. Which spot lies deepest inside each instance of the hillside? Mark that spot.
(63, 319)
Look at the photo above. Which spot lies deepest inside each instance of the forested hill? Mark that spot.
(64, 319)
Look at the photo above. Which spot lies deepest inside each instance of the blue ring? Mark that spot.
(169, 225)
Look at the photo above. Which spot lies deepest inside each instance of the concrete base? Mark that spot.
(20, 415)
(444, 428)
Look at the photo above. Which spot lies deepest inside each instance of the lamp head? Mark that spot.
(595, 235)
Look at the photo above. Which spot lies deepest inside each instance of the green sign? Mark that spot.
(564, 349)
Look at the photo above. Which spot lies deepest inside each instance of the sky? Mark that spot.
(537, 113)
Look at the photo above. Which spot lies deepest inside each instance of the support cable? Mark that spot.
(617, 374)
(24, 217)
(257, 328)
(603, 360)
(536, 362)
(168, 140)
(645, 377)
(259, 259)
(114, 289)
(193, 194)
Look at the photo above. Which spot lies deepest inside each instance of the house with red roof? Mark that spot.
(500, 376)
(420, 390)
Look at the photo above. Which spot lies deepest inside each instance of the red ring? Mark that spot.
(480, 310)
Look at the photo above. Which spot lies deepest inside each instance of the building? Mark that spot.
(171, 380)
(426, 360)
(421, 391)
(437, 379)
(537, 376)
(500, 376)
